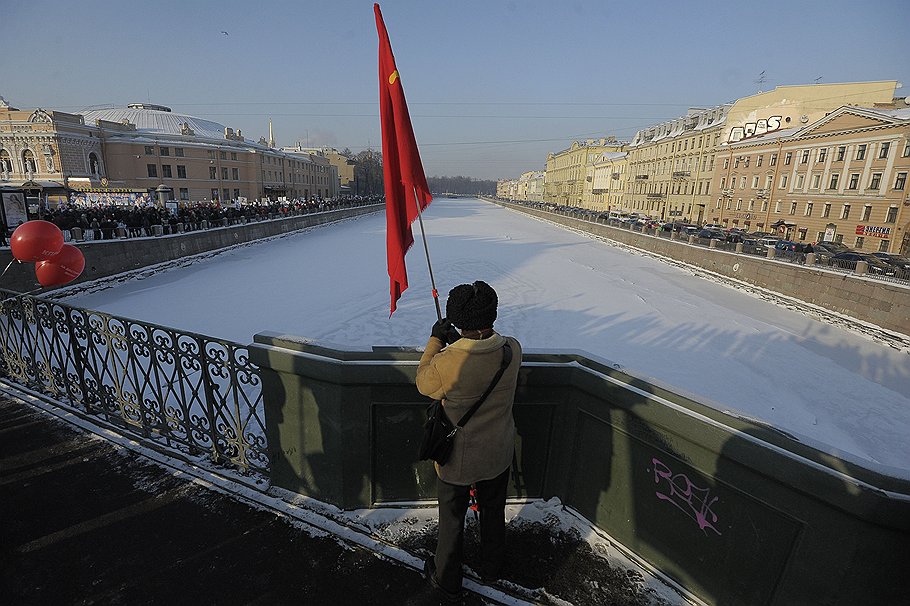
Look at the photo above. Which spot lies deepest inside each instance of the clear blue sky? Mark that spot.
(492, 86)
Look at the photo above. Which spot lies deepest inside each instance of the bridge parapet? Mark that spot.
(735, 512)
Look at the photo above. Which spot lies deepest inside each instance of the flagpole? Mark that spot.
(426, 250)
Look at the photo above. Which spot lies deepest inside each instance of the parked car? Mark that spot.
(768, 242)
(848, 260)
(753, 246)
(712, 234)
(900, 263)
(825, 250)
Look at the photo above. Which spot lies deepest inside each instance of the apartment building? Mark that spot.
(566, 170)
(841, 178)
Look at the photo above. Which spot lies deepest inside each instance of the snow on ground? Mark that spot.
(558, 289)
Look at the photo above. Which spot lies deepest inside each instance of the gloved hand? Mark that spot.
(445, 332)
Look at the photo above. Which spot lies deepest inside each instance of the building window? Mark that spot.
(236, 193)
(867, 212)
(227, 194)
(222, 155)
(764, 206)
(816, 181)
(726, 163)
(152, 169)
(178, 151)
(891, 216)
(900, 181)
(788, 158)
(822, 154)
(166, 171)
(723, 182)
(739, 204)
(213, 172)
(149, 150)
(742, 182)
(808, 209)
(758, 161)
(805, 158)
(802, 232)
(841, 153)
(773, 161)
(235, 174)
(854, 181)
(777, 206)
(214, 193)
(876, 181)
(165, 151)
(883, 246)
(768, 180)
(211, 154)
(181, 171)
(859, 242)
(834, 179)
(751, 205)
(233, 155)
(799, 181)
(906, 153)
(861, 151)
(839, 238)
(845, 212)
(755, 182)
(826, 211)
(184, 193)
(884, 149)
(792, 208)
(224, 173)
(783, 181)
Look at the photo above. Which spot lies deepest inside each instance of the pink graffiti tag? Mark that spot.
(679, 491)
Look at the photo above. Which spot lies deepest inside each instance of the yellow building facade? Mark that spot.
(841, 178)
(566, 170)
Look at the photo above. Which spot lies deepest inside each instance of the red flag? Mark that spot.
(405, 182)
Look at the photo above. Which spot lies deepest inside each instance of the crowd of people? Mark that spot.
(101, 222)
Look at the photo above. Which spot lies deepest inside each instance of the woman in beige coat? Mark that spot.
(458, 374)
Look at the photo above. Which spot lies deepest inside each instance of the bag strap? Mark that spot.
(506, 360)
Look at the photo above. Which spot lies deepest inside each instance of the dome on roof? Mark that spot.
(156, 121)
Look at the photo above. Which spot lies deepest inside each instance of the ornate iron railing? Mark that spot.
(180, 390)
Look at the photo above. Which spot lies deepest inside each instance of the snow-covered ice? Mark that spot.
(559, 289)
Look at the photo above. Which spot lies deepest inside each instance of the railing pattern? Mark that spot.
(180, 390)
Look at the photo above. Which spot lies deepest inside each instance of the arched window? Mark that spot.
(93, 164)
(28, 162)
(6, 164)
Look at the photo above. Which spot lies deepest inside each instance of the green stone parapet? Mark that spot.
(735, 512)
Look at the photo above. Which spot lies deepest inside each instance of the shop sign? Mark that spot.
(873, 230)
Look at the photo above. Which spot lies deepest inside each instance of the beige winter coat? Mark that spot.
(458, 375)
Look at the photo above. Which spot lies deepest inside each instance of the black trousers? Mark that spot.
(453, 504)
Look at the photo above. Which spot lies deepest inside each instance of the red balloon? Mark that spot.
(62, 268)
(36, 241)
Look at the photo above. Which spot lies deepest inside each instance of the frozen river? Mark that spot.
(558, 289)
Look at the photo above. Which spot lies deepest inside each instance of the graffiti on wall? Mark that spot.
(753, 129)
(680, 492)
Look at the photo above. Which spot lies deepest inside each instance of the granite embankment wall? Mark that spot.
(110, 257)
(885, 304)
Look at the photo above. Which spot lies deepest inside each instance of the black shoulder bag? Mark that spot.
(438, 431)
